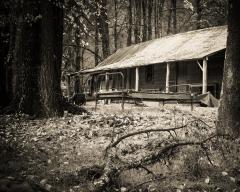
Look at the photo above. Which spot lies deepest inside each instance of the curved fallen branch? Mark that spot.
(115, 143)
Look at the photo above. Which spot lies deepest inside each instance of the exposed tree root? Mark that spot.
(72, 108)
(11, 108)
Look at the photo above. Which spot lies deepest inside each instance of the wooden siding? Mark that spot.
(159, 77)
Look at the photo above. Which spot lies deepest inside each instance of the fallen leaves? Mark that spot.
(59, 145)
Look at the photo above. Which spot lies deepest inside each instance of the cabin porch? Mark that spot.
(193, 77)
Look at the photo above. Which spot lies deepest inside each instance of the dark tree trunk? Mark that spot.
(115, 25)
(82, 67)
(137, 27)
(51, 57)
(4, 45)
(150, 6)
(38, 53)
(7, 43)
(229, 110)
(130, 23)
(199, 13)
(96, 47)
(78, 50)
(156, 18)
(145, 19)
(169, 26)
(103, 29)
(161, 16)
(27, 59)
(174, 15)
(12, 68)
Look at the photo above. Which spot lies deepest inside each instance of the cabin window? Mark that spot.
(149, 73)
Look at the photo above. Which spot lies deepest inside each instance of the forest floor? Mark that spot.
(67, 153)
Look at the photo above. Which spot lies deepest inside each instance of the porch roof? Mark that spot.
(192, 45)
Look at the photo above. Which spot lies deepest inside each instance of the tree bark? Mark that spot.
(4, 45)
(51, 57)
(156, 18)
(169, 26)
(229, 110)
(38, 54)
(115, 25)
(145, 19)
(7, 44)
(161, 16)
(103, 29)
(130, 23)
(174, 15)
(78, 51)
(150, 6)
(96, 47)
(137, 27)
(199, 13)
(27, 59)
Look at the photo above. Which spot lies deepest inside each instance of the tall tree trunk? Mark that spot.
(38, 54)
(137, 27)
(156, 18)
(12, 68)
(145, 19)
(150, 6)
(4, 46)
(115, 25)
(174, 15)
(96, 47)
(103, 29)
(130, 23)
(199, 13)
(82, 67)
(27, 59)
(229, 110)
(7, 44)
(169, 26)
(77, 56)
(161, 16)
(51, 57)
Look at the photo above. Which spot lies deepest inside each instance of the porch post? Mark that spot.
(204, 76)
(137, 79)
(167, 77)
(128, 79)
(107, 81)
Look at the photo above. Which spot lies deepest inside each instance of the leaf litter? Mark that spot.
(51, 149)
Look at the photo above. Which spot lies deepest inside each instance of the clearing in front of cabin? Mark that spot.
(143, 148)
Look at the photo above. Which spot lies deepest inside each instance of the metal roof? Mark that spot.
(190, 45)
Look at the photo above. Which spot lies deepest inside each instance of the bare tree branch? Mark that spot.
(114, 144)
(91, 51)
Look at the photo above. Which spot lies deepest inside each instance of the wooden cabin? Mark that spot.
(191, 61)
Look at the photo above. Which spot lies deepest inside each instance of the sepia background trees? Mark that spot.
(107, 25)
